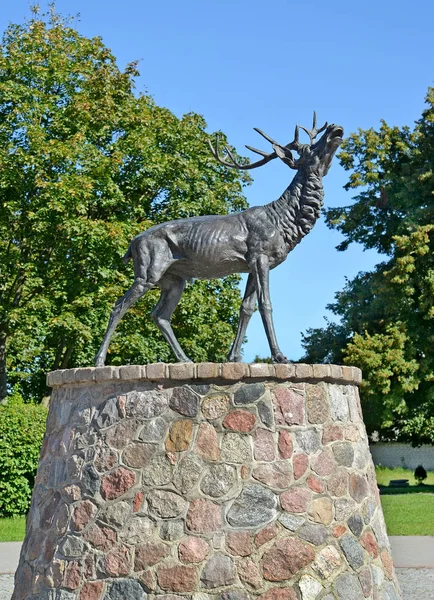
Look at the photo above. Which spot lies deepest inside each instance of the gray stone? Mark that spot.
(314, 533)
(147, 405)
(380, 531)
(158, 472)
(235, 449)
(361, 455)
(172, 530)
(233, 595)
(338, 403)
(200, 389)
(123, 589)
(353, 551)
(343, 453)
(291, 522)
(153, 431)
(348, 587)
(309, 440)
(90, 480)
(255, 506)
(344, 508)
(165, 504)
(377, 575)
(184, 401)
(310, 587)
(58, 595)
(116, 514)
(60, 470)
(85, 440)
(369, 510)
(218, 571)
(218, 481)
(73, 547)
(188, 472)
(390, 592)
(355, 523)
(138, 530)
(108, 414)
(249, 393)
(265, 413)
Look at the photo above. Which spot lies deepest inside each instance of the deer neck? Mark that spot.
(296, 211)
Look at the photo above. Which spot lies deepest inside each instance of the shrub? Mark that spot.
(22, 428)
(420, 474)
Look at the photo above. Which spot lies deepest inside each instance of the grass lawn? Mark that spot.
(12, 530)
(384, 475)
(409, 514)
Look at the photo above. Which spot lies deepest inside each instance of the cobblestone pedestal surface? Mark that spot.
(206, 481)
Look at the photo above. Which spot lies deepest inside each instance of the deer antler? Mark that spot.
(312, 133)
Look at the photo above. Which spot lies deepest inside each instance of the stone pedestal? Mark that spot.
(208, 481)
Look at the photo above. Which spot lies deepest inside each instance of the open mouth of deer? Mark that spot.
(336, 135)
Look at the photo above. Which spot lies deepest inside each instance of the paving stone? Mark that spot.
(310, 587)
(184, 401)
(286, 558)
(215, 406)
(288, 406)
(352, 550)
(235, 449)
(249, 393)
(315, 533)
(148, 405)
(159, 471)
(348, 587)
(153, 431)
(165, 504)
(218, 571)
(276, 475)
(255, 506)
(218, 480)
(204, 516)
(188, 472)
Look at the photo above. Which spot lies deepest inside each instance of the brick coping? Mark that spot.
(194, 372)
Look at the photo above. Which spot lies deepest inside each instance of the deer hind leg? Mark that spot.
(171, 292)
(246, 311)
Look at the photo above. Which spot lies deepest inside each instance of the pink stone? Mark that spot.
(148, 579)
(358, 487)
(239, 543)
(324, 463)
(276, 474)
(288, 406)
(387, 561)
(248, 573)
(193, 549)
(234, 371)
(339, 530)
(71, 493)
(72, 576)
(266, 534)
(321, 510)
(149, 554)
(316, 484)
(369, 544)
(138, 501)
(337, 484)
(118, 482)
(239, 420)
(207, 442)
(118, 562)
(82, 514)
(178, 578)
(204, 516)
(331, 433)
(264, 449)
(351, 433)
(286, 558)
(279, 593)
(101, 538)
(91, 590)
(119, 435)
(138, 454)
(285, 444)
(296, 500)
(244, 472)
(300, 463)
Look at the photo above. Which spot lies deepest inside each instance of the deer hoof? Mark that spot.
(280, 358)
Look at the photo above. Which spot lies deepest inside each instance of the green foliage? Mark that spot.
(22, 428)
(420, 474)
(387, 315)
(85, 165)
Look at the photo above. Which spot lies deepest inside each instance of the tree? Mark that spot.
(387, 315)
(86, 164)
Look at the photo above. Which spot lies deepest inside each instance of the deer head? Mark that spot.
(315, 156)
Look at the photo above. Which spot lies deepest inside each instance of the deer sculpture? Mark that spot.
(252, 241)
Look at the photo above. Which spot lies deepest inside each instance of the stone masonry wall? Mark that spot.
(206, 482)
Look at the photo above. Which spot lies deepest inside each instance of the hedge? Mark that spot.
(22, 428)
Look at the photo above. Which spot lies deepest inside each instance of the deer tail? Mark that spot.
(127, 256)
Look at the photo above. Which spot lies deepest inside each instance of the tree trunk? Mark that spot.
(3, 373)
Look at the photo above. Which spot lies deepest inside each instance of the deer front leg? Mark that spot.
(261, 274)
(246, 311)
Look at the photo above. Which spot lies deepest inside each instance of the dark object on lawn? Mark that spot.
(420, 474)
(398, 483)
(252, 241)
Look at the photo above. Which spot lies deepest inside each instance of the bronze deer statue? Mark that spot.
(252, 241)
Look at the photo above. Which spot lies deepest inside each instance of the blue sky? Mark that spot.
(245, 64)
